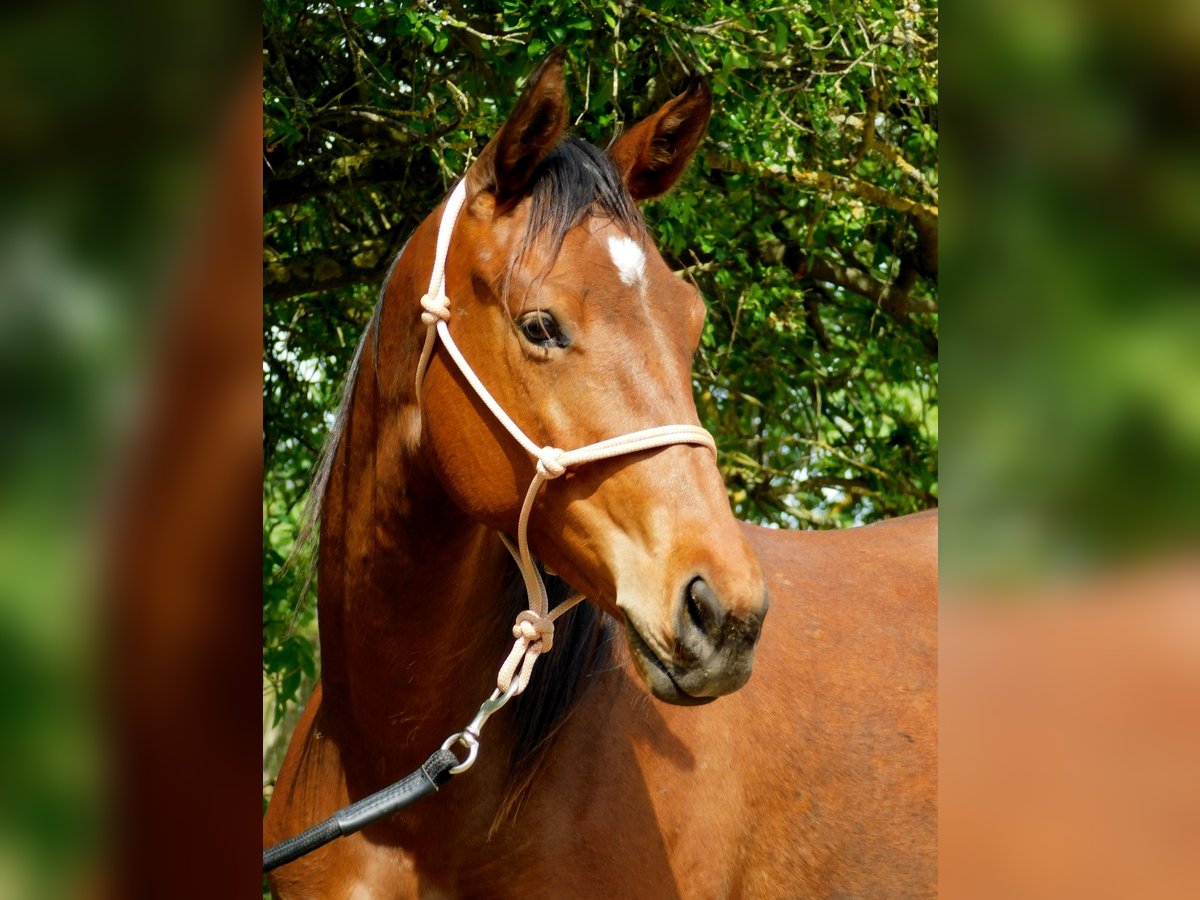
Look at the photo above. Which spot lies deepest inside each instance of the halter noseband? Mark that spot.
(534, 628)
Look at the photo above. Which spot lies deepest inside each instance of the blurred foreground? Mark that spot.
(1070, 724)
(130, 166)
(1070, 604)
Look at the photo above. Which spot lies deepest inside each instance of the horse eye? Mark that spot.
(541, 329)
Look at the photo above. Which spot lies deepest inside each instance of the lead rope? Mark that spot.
(534, 627)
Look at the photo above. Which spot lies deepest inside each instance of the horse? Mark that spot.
(676, 741)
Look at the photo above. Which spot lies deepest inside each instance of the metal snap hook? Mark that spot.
(469, 736)
(470, 742)
(488, 708)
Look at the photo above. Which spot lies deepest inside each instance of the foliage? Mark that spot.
(808, 221)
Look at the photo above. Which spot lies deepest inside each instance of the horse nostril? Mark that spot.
(704, 608)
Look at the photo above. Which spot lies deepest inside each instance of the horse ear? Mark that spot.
(653, 153)
(507, 163)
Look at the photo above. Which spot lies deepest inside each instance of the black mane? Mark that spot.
(583, 649)
(575, 180)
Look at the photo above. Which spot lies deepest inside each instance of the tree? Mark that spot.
(808, 222)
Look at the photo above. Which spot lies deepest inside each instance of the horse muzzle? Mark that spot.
(711, 652)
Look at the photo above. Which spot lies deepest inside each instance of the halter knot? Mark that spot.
(436, 308)
(548, 465)
(535, 630)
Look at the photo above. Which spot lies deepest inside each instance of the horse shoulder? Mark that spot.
(840, 715)
(310, 786)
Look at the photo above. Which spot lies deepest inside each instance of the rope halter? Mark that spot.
(436, 308)
(534, 627)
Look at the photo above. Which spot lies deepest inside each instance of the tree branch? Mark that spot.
(868, 127)
(826, 182)
(324, 270)
(713, 30)
(891, 153)
(473, 42)
(893, 299)
(515, 37)
(361, 169)
(812, 315)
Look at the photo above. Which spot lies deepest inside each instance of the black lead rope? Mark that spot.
(381, 804)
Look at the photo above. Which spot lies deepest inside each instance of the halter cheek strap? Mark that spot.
(534, 628)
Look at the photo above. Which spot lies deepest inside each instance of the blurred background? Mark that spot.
(137, 275)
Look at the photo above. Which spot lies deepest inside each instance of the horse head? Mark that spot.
(581, 332)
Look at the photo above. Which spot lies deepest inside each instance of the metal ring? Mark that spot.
(470, 742)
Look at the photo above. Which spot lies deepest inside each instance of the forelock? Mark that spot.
(574, 181)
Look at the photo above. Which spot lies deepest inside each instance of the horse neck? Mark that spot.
(413, 618)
